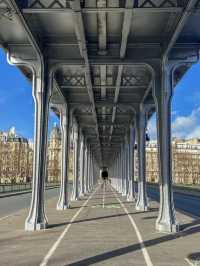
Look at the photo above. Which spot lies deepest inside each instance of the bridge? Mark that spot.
(104, 67)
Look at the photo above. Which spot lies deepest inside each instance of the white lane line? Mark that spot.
(190, 263)
(7, 216)
(60, 238)
(141, 242)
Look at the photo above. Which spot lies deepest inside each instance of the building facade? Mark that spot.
(16, 157)
(185, 161)
(54, 155)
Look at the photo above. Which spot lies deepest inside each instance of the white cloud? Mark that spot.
(187, 126)
(174, 113)
(182, 126)
(195, 133)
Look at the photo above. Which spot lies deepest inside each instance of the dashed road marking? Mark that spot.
(190, 263)
(8, 216)
(139, 236)
(58, 241)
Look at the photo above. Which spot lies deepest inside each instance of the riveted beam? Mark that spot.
(102, 27)
(80, 34)
(94, 10)
(184, 18)
(124, 40)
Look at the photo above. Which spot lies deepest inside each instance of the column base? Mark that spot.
(132, 199)
(141, 208)
(63, 207)
(74, 198)
(35, 226)
(167, 228)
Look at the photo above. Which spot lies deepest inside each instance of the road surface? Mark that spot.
(101, 228)
(13, 204)
(187, 203)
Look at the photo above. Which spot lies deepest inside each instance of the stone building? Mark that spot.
(185, 161)
(54, 153)
(151, 161)
(14, 158)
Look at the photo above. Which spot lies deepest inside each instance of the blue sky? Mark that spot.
(185, 107)
(17, 106)
(16, 101)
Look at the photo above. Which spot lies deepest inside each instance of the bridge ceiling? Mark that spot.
(98, 44)
(190, 33)
(112, 125)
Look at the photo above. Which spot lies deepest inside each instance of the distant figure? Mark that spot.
(104, 176)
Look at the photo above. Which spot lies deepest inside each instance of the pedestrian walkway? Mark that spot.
(101, 228)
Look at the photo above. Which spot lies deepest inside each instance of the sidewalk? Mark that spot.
(97, 231)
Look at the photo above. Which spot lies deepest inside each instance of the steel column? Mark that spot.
(75, 193)
(124, 190)
(36, 219)
(89, 169)
(142, 203)
(82, 162)
(121, 166)
(166, 221)
(131, 193)
(64, 125)
(86, 169)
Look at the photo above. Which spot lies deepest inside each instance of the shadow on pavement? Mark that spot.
(149, 217)
(100, 204)
(98, 218)
(125, 250)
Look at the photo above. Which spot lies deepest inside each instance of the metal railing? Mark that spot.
(7, 188)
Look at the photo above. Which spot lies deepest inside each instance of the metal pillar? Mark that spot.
(82, 157)
(131, 193)
(86, 169)
(162, 93)
(64, 124)
(118, 173)
(36, 219)
(75, 193)
(142, 203)
(89, 170)
(124, 170)
(127, 166)
(126, 162)
(92, 172)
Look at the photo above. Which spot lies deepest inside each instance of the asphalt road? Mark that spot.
(10, 205)
(187, 203)
(13, 204)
